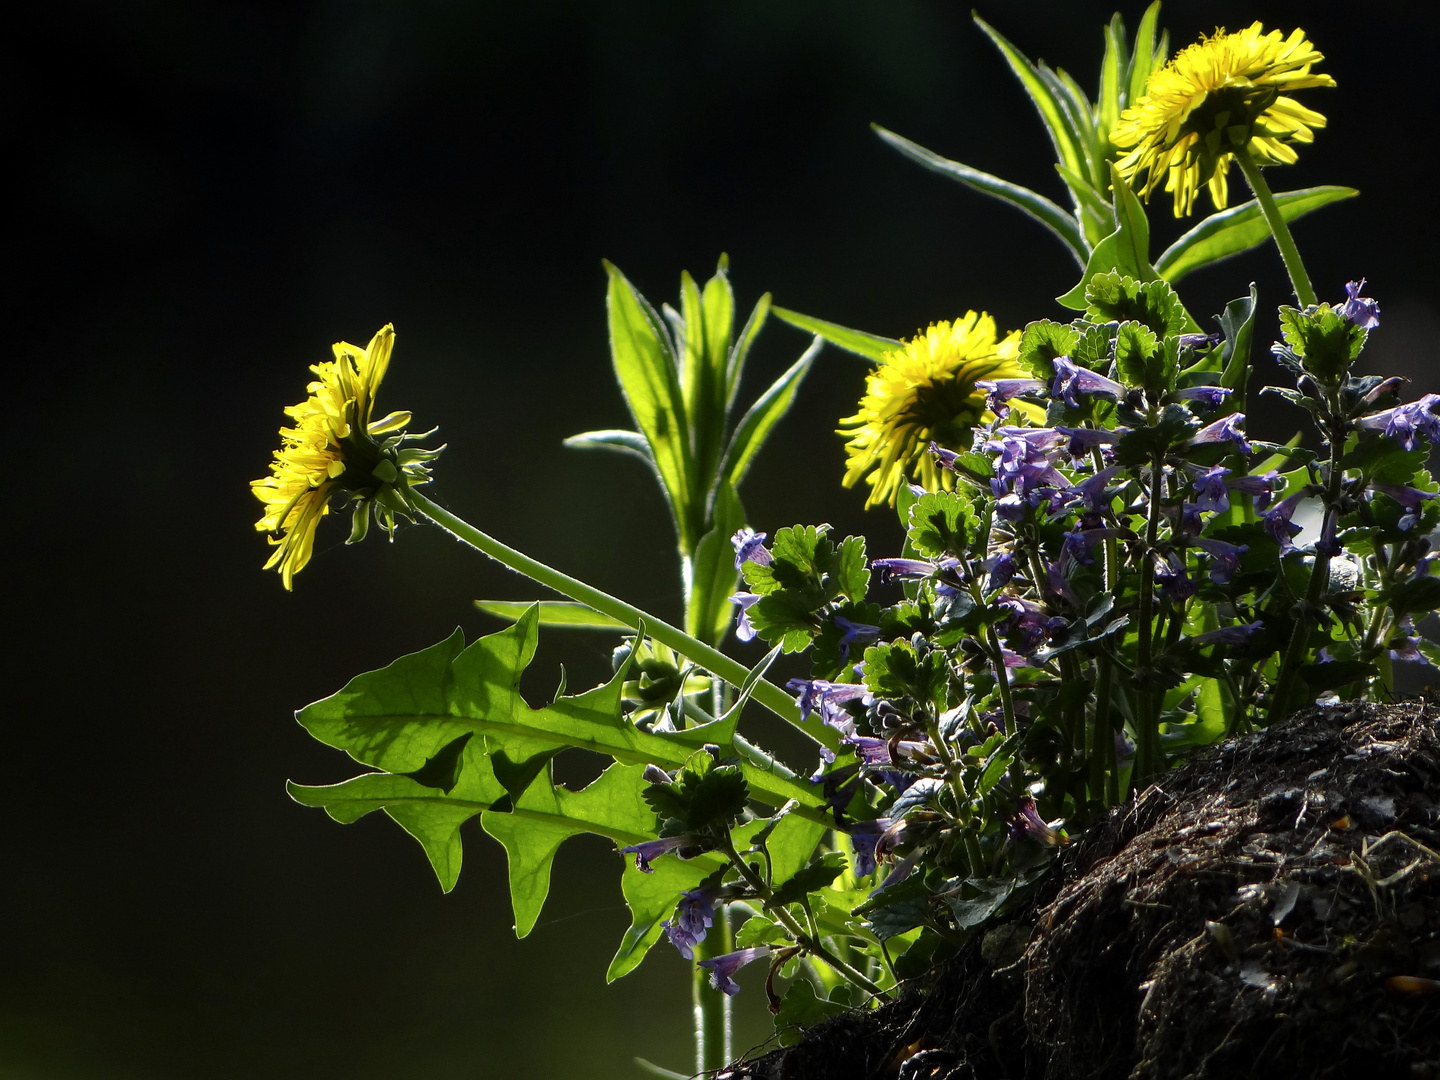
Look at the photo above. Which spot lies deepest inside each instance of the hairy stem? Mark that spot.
(1145, 753)
(732, 671)
(712, 1011)
(1304, 291)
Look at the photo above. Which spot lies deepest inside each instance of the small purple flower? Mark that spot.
(861, 633)
(863, 835)
(1230, 636)
(1277, 520)
(750, 547)
(1174, 582)
(1404, 422)
(1329, 543)
(944, 458)
(1091, 490)
(1404, 644)
(1388, 386)
(722, 967)
(1224, 558)
(1261, 488)
(1027, 822)
(1071, 380)
(1210, 483)
(682, 939)
(1360, 310)
(1209, 397)
(904, 569)
(744, 631)
(696, 911)
(1059, 585)
(1189, 523)
(1077, 546)
(999, 391)
(653, 774)
(1410, 498)
(828, 697)
(1084, 440)
(1198, 341)
(1226, 429)
(651, 850)
(1002, 570)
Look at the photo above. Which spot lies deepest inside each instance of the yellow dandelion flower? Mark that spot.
(332, 449)
(1221, 94)
(921, 393)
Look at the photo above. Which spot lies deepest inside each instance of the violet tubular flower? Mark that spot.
(1084, 440)
(1405, 422)
(854, 633)
(1213, 489)
(1360, 310)
(723, 967)
(1226, 429)
(1228, 636)
(1209, 397)
(1410, 498)
(750, 547)
(863, 837)
(999, 391)
(651, 850)
(1224, 558)
(1072, 380)
(744, 630)
(1277, 520)
(1261, 489)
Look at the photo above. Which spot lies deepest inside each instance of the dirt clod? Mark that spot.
(1270, 909)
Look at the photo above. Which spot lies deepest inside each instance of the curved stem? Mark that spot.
(1304, 291)
(732, 671)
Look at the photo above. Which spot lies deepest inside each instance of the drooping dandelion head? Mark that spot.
(333, 448)
(1224, 92)
(925, 392)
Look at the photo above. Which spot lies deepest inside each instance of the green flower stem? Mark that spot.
(799, 933)
(1319, 578)
(1304, 291)
(732, 671)
(712, 1011)
(1145, 753)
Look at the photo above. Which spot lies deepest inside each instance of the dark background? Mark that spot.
(209, 194)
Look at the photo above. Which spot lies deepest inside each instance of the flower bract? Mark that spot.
(922, 392)
(333, 447)
(1221, 94)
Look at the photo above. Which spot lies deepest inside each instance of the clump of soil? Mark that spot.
(1271, 909)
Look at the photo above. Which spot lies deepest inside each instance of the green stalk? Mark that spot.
(732, 671)
(1145, 753)
(1304, 291)
(712, 1010)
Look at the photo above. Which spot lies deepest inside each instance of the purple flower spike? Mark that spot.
(1230, 636)
(744, 601)
(1404, 422)
(722, 967)
(999, 391)
(1226, 429)
(1360, 310)
(1261, 488)
(1211, 397)
(1410, 498)
(651, 850)
(1072, 380)
(1214, 493)
(1224, 558)
(750, 547)
(1277, 520)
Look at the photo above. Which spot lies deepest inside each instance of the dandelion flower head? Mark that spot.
(330, 448)
(925, 391)
(1223, 93)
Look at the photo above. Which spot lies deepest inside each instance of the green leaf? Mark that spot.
(1099, 218)
(760, 419)
(623, 442)
(1108, 103)
(1115, 297)
(710, 576)
(977, 900)
(759, 930)
(942, 523)
(559, 613)
(648, 376)
(702, 375)
(1238, 229)
(802, 1008)
(1419, 595)
(399, 718)
(1050, 108)
(1324, 339)
(850, 576)
(1237, 324)
(1126, 250)
(1136, 348)
(871, 346)
(1041, 342)
(735, 366)
(651, 899)
(812, 878)
(1144, 54)
(1035, 205)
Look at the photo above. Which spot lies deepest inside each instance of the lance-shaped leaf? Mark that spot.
(1042, 92)
(1037, 206)
(1126, 250)
(648, 375)
(871, 346)
(710, 575)
(1240, 228)
(561, 613)
(760, 419)
(735, 363)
